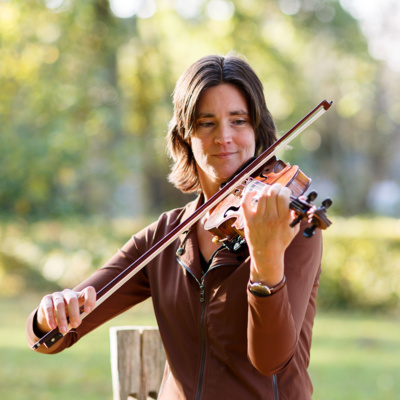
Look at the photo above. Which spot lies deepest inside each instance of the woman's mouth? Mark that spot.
(224, 155)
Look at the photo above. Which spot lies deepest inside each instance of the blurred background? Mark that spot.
(85, 100)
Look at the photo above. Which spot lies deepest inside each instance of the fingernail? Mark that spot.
(88, 309)
(63, 329)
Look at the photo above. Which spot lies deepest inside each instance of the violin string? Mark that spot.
(254, 182)
(259, 185)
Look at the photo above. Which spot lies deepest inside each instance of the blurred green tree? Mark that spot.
(86, 97)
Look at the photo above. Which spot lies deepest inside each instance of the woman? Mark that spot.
(234, 325)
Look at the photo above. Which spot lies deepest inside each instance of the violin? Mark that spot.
(264, 159)
(226, 222)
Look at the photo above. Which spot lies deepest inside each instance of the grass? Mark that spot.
(354, 356)
(81, 372)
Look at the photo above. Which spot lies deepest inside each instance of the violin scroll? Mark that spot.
(317, 216)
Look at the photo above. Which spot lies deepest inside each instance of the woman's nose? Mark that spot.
(223, 134)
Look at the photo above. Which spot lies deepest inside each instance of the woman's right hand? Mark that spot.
(55, 308)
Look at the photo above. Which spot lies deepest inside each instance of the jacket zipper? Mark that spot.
(275, 385)
(203, 334)
(203, 338)
(203, 302)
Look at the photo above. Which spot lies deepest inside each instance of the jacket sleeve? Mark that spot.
(275, 322)
(132, 292)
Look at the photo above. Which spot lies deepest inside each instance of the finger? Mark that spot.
(283, 202)
(75, 300)
(46, 309)
(89, 297)
(268, 200)
(248, 206)
(72, 302)
(60, 311)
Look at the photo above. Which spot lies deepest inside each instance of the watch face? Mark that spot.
(260, 289)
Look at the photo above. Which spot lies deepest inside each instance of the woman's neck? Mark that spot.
(209, 190)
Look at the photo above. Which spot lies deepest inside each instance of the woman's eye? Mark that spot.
(205, 124)
(239, 121)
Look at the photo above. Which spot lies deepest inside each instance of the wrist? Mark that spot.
(267, 271)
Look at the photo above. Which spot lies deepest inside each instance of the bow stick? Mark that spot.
(104, 293)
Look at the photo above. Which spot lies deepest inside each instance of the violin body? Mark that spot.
(226, 222)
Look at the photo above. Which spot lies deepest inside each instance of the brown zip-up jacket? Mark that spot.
(221, 341)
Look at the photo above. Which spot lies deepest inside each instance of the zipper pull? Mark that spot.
(202, 293)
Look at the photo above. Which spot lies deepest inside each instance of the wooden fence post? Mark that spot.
(137, 362)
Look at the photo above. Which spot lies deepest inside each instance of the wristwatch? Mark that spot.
(261, 290)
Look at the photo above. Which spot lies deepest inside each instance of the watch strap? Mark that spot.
(261, 290)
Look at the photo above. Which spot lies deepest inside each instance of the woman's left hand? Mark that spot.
(268, 232)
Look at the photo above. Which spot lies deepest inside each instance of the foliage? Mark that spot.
(360, 266)
(86, 98)
(61, 252)
(16, 276)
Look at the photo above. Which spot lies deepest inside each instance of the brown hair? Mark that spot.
(207, 72)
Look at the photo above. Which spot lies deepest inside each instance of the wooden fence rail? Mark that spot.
(137, 362)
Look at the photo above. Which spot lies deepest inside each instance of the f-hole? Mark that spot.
(232, 209)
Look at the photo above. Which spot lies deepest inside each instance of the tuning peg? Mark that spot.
(327, 202)
(309, 232)
(296, 221)
(312, 196)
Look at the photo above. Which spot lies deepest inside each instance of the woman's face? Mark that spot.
(223, 139)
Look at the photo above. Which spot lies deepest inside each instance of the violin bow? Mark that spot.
(111, 287)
